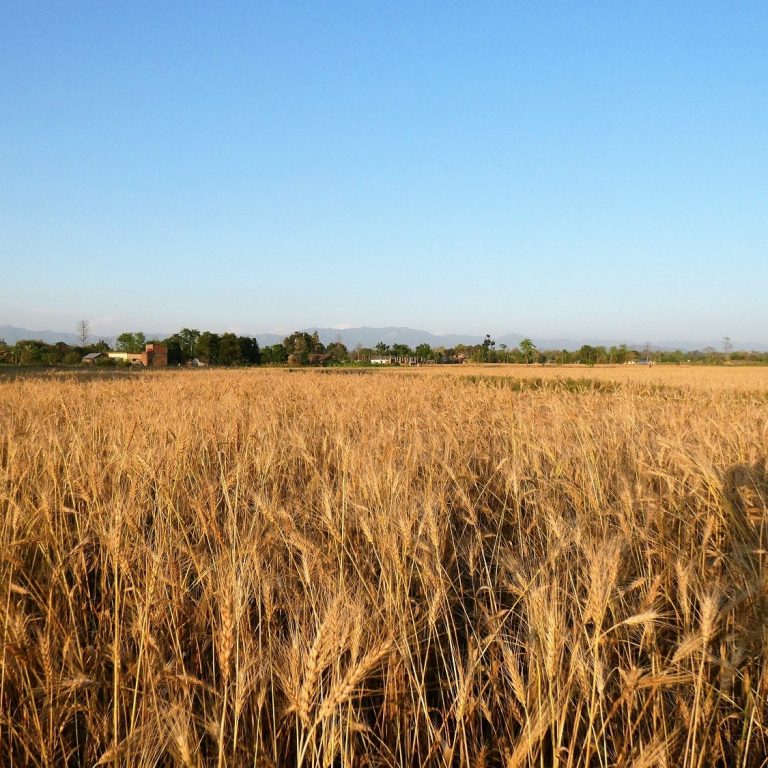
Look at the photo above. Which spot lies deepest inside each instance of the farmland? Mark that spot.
(500, 566)
(748, 378)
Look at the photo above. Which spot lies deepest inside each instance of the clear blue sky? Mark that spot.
(553, 169)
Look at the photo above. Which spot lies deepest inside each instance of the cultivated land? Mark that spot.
(684, 376)
(264, 567)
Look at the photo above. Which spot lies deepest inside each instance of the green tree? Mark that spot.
(485, 352)
(176, 354)
(229, 350)
(207, 347)
(401, 350)
(188, 339)
(528, 350)
(363, 353)
(618, 354)
(301, 344)
(30, 352)
(315, 345)
(53, 355)
(423, 351)
(276, 354)
(587, 354)
(382, 348)
(338, 351)
(132, 342)
(124, 342)
(250, 353)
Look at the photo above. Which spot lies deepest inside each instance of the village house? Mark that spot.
(313, 358)
(395, 360)
(153, 356)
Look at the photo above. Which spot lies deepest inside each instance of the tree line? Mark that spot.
(229, 349)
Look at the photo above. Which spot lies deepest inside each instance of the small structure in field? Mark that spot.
(397, 360)
(153, 356)
(92, 357)
(313, 358)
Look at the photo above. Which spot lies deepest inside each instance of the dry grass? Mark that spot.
(272, 568)
(695, 377)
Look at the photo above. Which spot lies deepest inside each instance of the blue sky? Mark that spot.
(552, 169)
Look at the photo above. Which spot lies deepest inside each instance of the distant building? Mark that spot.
(153, 356)
(318, 358)
(313, 358)
(92, 357)
(126, 357)
(397, 360)
(156, 356)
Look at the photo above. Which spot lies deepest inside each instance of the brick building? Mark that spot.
(153, 356)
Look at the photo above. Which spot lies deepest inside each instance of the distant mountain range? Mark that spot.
(369, 337)
(11, 334)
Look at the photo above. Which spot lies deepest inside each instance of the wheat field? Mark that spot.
(275, 568)
(748, 378)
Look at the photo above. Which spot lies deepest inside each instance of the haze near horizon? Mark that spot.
(554, 171)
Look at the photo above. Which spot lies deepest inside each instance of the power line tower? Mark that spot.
(727, 348)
